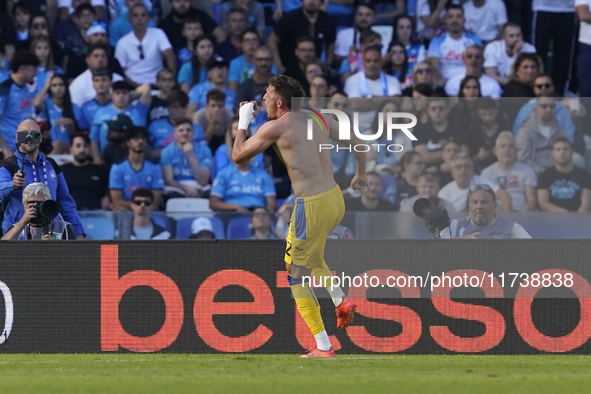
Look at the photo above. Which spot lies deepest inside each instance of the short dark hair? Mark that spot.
(406, 159)
(288, 88)
(451, 6)
(182, 121)
(21, 5)
(177, 97)
(93, 47)
(102, 72)
(236, 11)
(121, 85)
(135, 132)
(164, 70)
(84, 7)
(142, 192)
(23, 58)
(250, 30)
(215, 95)
(366, 4)
(562, 139)
(375, 173)
(509, 24)
(376, 48)
(486, 103)
(84, 136)
(544, 75)
(368, 36)
(305, 39)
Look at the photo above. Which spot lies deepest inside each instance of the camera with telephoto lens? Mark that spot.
(436, 218)
(46, 211)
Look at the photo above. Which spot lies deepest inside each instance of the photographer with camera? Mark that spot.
(27, 166)
(41, 219)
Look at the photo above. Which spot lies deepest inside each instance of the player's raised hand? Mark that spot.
(359, 183)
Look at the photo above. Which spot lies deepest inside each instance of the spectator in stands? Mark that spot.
(192, 29)
(40, 26)
(217, 78)
(319, 89)
(463, 114)
(27, 228)
(242, 187)
(427, 187)
(116, 149)
(141, 51)
(500, 55)
(424, 74)
(480, 137)
(305, 53)
(485, 18)
(223, 154)
(398, 66)
(348, 41)
(201, 228)
(231, 47)
(584, 14)
(143, 227)
(67, 8)
(456, 192)
(81, 89)
(87, 182)
(544, 83)
(354, 63)
(261, 224)
(16, 99)
(403, 33)
(12, 181)
(41, 47)
(254, 13)
(135, 172)
(159, 108)
(524, 71)
(243, 66)
(309, 20)
(412, 166)
(254, 88)
(370, 201)
(536, 136)
(432, 135)
(483, 222)
(564, 187)
(172, 24)
(21, 15)
(75, 43)
(195, 71)
(101, 82)
(431, 17)
(449, 150)
(473, 60)
(138, 112)
(214, 118)
(162, 130)
(121, 25)
(445, 51)
(555, 21)
(58, 110)
(517, 179)
(185, 164)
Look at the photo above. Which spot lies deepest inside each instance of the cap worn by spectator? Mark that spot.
(120, 122)
(96, 28)
(200, 225)
(217, 62)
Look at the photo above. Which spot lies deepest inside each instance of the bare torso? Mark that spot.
(309, 169)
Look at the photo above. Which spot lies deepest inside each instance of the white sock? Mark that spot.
(322, 341)
(337, 294)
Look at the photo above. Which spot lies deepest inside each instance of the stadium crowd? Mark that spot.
(141, 97)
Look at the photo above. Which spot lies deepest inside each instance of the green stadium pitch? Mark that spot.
(245, 373)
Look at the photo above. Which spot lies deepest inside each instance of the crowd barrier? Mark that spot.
(233, 296)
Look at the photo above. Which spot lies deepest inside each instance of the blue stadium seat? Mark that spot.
(216, 12)
(183, 228)
(160, 221)
(239, 228)
(98, 227)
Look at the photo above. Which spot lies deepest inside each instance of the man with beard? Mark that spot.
(87, 182)
(483, 222)
(28, 166)
(135, 172)
(16, 99)
(173, 23)
(254, 87)
(371, 200)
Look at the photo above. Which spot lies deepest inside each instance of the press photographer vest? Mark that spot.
(500, 228)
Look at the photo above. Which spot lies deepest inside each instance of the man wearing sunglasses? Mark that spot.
(143, 227)
(473, 60)
(483, 221)
(37, 168)
(544, 83)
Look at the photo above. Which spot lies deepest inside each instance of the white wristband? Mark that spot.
(245, 112)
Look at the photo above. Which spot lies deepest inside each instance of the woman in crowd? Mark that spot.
(58, 110)
(42, 48)
(223, 154)
(397, 65)
(195, 71)
(462, 114)
(524, 71)
(424, 73)
(403, 33)
(40, 26)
